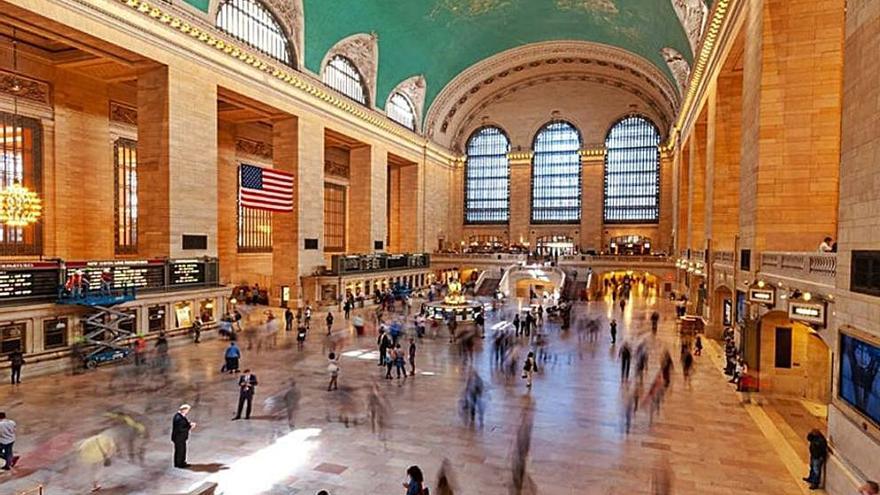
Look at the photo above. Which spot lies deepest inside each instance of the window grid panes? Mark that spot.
(487, 177)
(632, 172)
(401, 110)
(250, 22)
(254, 229)
(334, 217)
(20, 163)
(556, 174)
(341, 75)
(125, 152)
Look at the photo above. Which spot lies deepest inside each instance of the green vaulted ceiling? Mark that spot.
(441, 38)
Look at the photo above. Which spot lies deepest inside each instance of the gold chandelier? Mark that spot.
(19, 206)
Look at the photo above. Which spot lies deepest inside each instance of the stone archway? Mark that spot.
(721, 311)
(793, 360)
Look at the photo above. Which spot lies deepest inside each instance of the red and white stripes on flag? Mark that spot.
(265, 189)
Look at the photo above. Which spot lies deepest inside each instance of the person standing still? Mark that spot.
(613, 329)
(329, 320)
(288, 320)
(412, 356)
(7, 438)
(247, 384)
(818, 455)
(180, 428)
(16, 361)
(333, 369)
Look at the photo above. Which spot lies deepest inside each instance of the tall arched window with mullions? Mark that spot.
(342, 75)
(487, 177)
(556, 174)
(632, 172)
(251, 22)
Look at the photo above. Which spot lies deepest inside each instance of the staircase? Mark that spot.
(488, 287)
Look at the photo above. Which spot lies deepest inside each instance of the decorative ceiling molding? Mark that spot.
(602, 63)
(363, 51)
(680, 68)
(414, 89)
(693, 15)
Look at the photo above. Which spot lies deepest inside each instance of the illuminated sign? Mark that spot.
(28, 280)
(807, 312)
(186, 272)
(762, 296)
(727, 311)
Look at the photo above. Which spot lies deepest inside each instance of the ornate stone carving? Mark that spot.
(290, 15)
(362, 50)
(24, 87)
(414, 89)
(680, 68)
(123, 114)
(255, 148)
(692, 14)
(336, 169)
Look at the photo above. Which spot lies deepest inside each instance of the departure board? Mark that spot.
(28, 280)
(141, 274)
(186, 272)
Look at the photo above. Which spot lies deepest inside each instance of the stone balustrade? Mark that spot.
(818, 268)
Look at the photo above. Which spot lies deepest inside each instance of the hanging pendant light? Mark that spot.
(19, 206)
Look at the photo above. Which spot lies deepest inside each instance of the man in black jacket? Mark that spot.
(247, 383)
(818, 455)
(180, 427)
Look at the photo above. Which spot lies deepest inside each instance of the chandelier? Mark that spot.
(19, 206)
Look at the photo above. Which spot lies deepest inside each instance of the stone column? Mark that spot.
(520, 197)
(405, 227)
(285, 255)
(177, 161)
(309, 195)
(368, 210)
(725, 121)
(697, 187)
(592, 202)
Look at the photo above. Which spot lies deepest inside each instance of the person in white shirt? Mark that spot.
(825, 246)
(7, 438)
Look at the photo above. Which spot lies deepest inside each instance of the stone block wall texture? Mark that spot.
(726, 125)
(859, 228)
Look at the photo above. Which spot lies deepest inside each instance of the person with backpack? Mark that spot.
(416, 483)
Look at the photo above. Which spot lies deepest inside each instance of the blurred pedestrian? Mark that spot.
(232, 356)
(613, 329)
(529, 368)
(625, 359)
(412, 356)
(16, 361)
(7, 439)
(333, 369)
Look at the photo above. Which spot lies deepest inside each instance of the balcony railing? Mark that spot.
(810, 267)
(724, 257)
(505, 257)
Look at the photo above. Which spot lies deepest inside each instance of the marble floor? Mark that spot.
(703, 441)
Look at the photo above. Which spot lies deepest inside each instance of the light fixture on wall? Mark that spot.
(19, 206)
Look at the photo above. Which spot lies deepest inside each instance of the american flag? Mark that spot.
(265, 189)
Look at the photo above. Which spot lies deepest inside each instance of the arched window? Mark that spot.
(400, 109)
(252, 23)
(341, 75)
(632, 172)
(487, 177)
(556, 174)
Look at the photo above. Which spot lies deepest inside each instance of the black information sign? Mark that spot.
(186, 272)
(28, 280)
(141, 274)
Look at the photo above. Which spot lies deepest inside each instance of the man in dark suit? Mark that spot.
(247, 383)
(180, 427)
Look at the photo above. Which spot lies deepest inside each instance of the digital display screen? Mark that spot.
(28, 280)
(859, 384)
(140, 274)
(186, 272)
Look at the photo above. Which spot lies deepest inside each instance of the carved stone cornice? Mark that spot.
(19, 86)
(123, 114)
(253, 148)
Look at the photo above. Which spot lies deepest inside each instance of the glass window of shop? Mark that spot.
(12, 337)
(206, 310)
(129, 322)
(156, 318)
(54, 333)
(183, 314)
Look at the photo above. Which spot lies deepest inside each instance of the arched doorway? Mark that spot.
(721, 315)
(793, 359)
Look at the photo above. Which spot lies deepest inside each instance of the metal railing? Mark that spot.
(810, 267)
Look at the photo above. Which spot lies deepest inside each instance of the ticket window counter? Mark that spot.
(183, 314)
(12, 336)
(156, 318)
(206, 310)
(55, 333)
